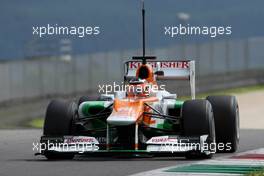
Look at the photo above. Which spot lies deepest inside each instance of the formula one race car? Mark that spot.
(144, 119)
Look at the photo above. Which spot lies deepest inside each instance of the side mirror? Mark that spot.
(171, 96)
(107, 97)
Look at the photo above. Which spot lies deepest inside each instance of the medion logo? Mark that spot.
(163, 64)
(79, 140)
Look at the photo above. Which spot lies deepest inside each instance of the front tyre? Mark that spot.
(59, 122)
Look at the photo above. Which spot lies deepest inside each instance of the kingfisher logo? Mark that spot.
(163, 64)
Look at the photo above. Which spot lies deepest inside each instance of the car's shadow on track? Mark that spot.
(83, 158)
(100, 159)
(88, 158)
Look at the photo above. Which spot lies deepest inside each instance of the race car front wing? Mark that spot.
(169, 145)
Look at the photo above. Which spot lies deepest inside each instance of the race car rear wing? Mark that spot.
(176, 70)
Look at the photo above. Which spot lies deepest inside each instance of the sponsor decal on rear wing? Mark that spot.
(171, 69)
(177, 70)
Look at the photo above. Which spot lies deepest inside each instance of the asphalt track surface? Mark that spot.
(17, 158)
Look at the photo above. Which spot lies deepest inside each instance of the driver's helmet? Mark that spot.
(138, 88)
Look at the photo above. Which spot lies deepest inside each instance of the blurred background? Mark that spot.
(34, 70)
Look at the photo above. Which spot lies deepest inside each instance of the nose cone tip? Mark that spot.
(120, 120)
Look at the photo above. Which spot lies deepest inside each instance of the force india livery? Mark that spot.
(142, 120)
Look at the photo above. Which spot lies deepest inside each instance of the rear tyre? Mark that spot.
(198, 119)
(226, 113)
(58, 122)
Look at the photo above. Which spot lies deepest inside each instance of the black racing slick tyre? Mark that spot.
(226, 113)
(59, 117)
(198, 120)
(58, 122)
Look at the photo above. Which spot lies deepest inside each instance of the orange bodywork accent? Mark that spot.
(130, 109)
(134, 107)
(147, 119)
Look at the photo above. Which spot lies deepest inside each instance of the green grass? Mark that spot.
(256, 173)
(38, 122)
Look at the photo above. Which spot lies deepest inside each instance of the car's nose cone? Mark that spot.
(121, 120)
